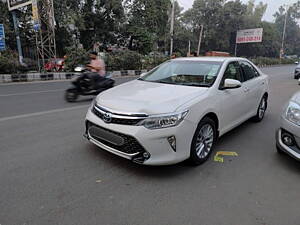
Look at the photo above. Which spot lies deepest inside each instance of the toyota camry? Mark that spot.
(178, 110)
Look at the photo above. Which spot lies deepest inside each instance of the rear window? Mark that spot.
(249, 71)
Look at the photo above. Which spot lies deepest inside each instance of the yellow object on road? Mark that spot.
(217, 157)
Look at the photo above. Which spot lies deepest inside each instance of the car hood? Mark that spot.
(296, 98)
(147, 97)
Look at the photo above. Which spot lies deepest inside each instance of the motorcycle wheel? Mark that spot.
(71, 96)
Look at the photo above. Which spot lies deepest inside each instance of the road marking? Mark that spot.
(31, 92)
(42, 113)
(220, 159)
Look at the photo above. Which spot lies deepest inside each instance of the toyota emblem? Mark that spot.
(107, 117)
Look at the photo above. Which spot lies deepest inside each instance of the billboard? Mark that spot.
(35, 15)
(15, 4)
(249, 36)
(2, 38)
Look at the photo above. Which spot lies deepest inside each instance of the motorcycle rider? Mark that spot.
(96, 65)
(97, 68)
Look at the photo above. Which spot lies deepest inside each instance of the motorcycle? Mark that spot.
(85, 85)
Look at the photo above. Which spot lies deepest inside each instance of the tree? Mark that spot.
(101, 21)
(292, 34)
(147, 22)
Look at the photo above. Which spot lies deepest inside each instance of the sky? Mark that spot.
(273, 6)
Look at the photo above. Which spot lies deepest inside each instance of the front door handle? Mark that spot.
(246, 89)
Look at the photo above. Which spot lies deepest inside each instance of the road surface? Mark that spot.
(49, 174)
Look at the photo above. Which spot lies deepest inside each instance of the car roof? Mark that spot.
(209, 59)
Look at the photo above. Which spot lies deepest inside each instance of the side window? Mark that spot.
(249, 71)
(232, 72)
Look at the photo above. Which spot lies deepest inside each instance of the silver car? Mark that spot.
(297, 72)
(288, 135)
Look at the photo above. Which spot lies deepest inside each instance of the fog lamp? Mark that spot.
(146, 155)
(288, 139)
(172, 142)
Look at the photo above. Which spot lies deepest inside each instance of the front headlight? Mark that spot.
(163, 121)
(293, 113)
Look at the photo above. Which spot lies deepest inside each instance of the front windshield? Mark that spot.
(190, 73)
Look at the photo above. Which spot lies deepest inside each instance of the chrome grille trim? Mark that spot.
(122, 119)
(118, 115)
(121, 116)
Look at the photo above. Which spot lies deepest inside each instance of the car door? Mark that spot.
(253, 87)
(232, 105)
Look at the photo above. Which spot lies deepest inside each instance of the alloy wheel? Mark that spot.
(204, 141)
(262, 108)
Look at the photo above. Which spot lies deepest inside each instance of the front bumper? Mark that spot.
(154, 148)
(293, 130)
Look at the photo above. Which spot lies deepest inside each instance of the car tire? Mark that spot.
(203, 141)
(261, 110)
(279, 151)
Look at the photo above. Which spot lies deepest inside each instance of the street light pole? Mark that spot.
(172, 27)
(283, 33)
(200, 39)
(16, 26)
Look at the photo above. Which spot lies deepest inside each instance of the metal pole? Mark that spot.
(37, 51)
(235, 49)
(189, 50)
(172, 28)
(53, 30)
(16, 26)
(200, 39)
(283, 33)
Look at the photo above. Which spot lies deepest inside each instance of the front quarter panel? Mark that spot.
(202, 106)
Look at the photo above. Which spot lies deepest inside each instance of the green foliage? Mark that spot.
(143, 26)
(124, 60)
(149, 62)
(130, 60)
(9, 62)
(262, 61)
(147, 23)
(292, 34)
(75, 57)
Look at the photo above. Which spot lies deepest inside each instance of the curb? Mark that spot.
(29, 77)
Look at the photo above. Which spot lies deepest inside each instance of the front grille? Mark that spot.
(117, 120)
(129, 146)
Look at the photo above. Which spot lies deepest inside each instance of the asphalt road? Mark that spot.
(49, 174)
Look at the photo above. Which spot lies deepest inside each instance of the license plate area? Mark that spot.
(106, 136)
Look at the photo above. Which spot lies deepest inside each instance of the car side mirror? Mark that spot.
(142, 74)
(231, 84)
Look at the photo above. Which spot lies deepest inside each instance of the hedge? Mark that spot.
(262, 61)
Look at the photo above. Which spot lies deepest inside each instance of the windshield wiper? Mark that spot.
(195, 84)
(164, 82)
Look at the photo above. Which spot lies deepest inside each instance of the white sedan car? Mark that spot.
(178, 110)
(288, 135)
